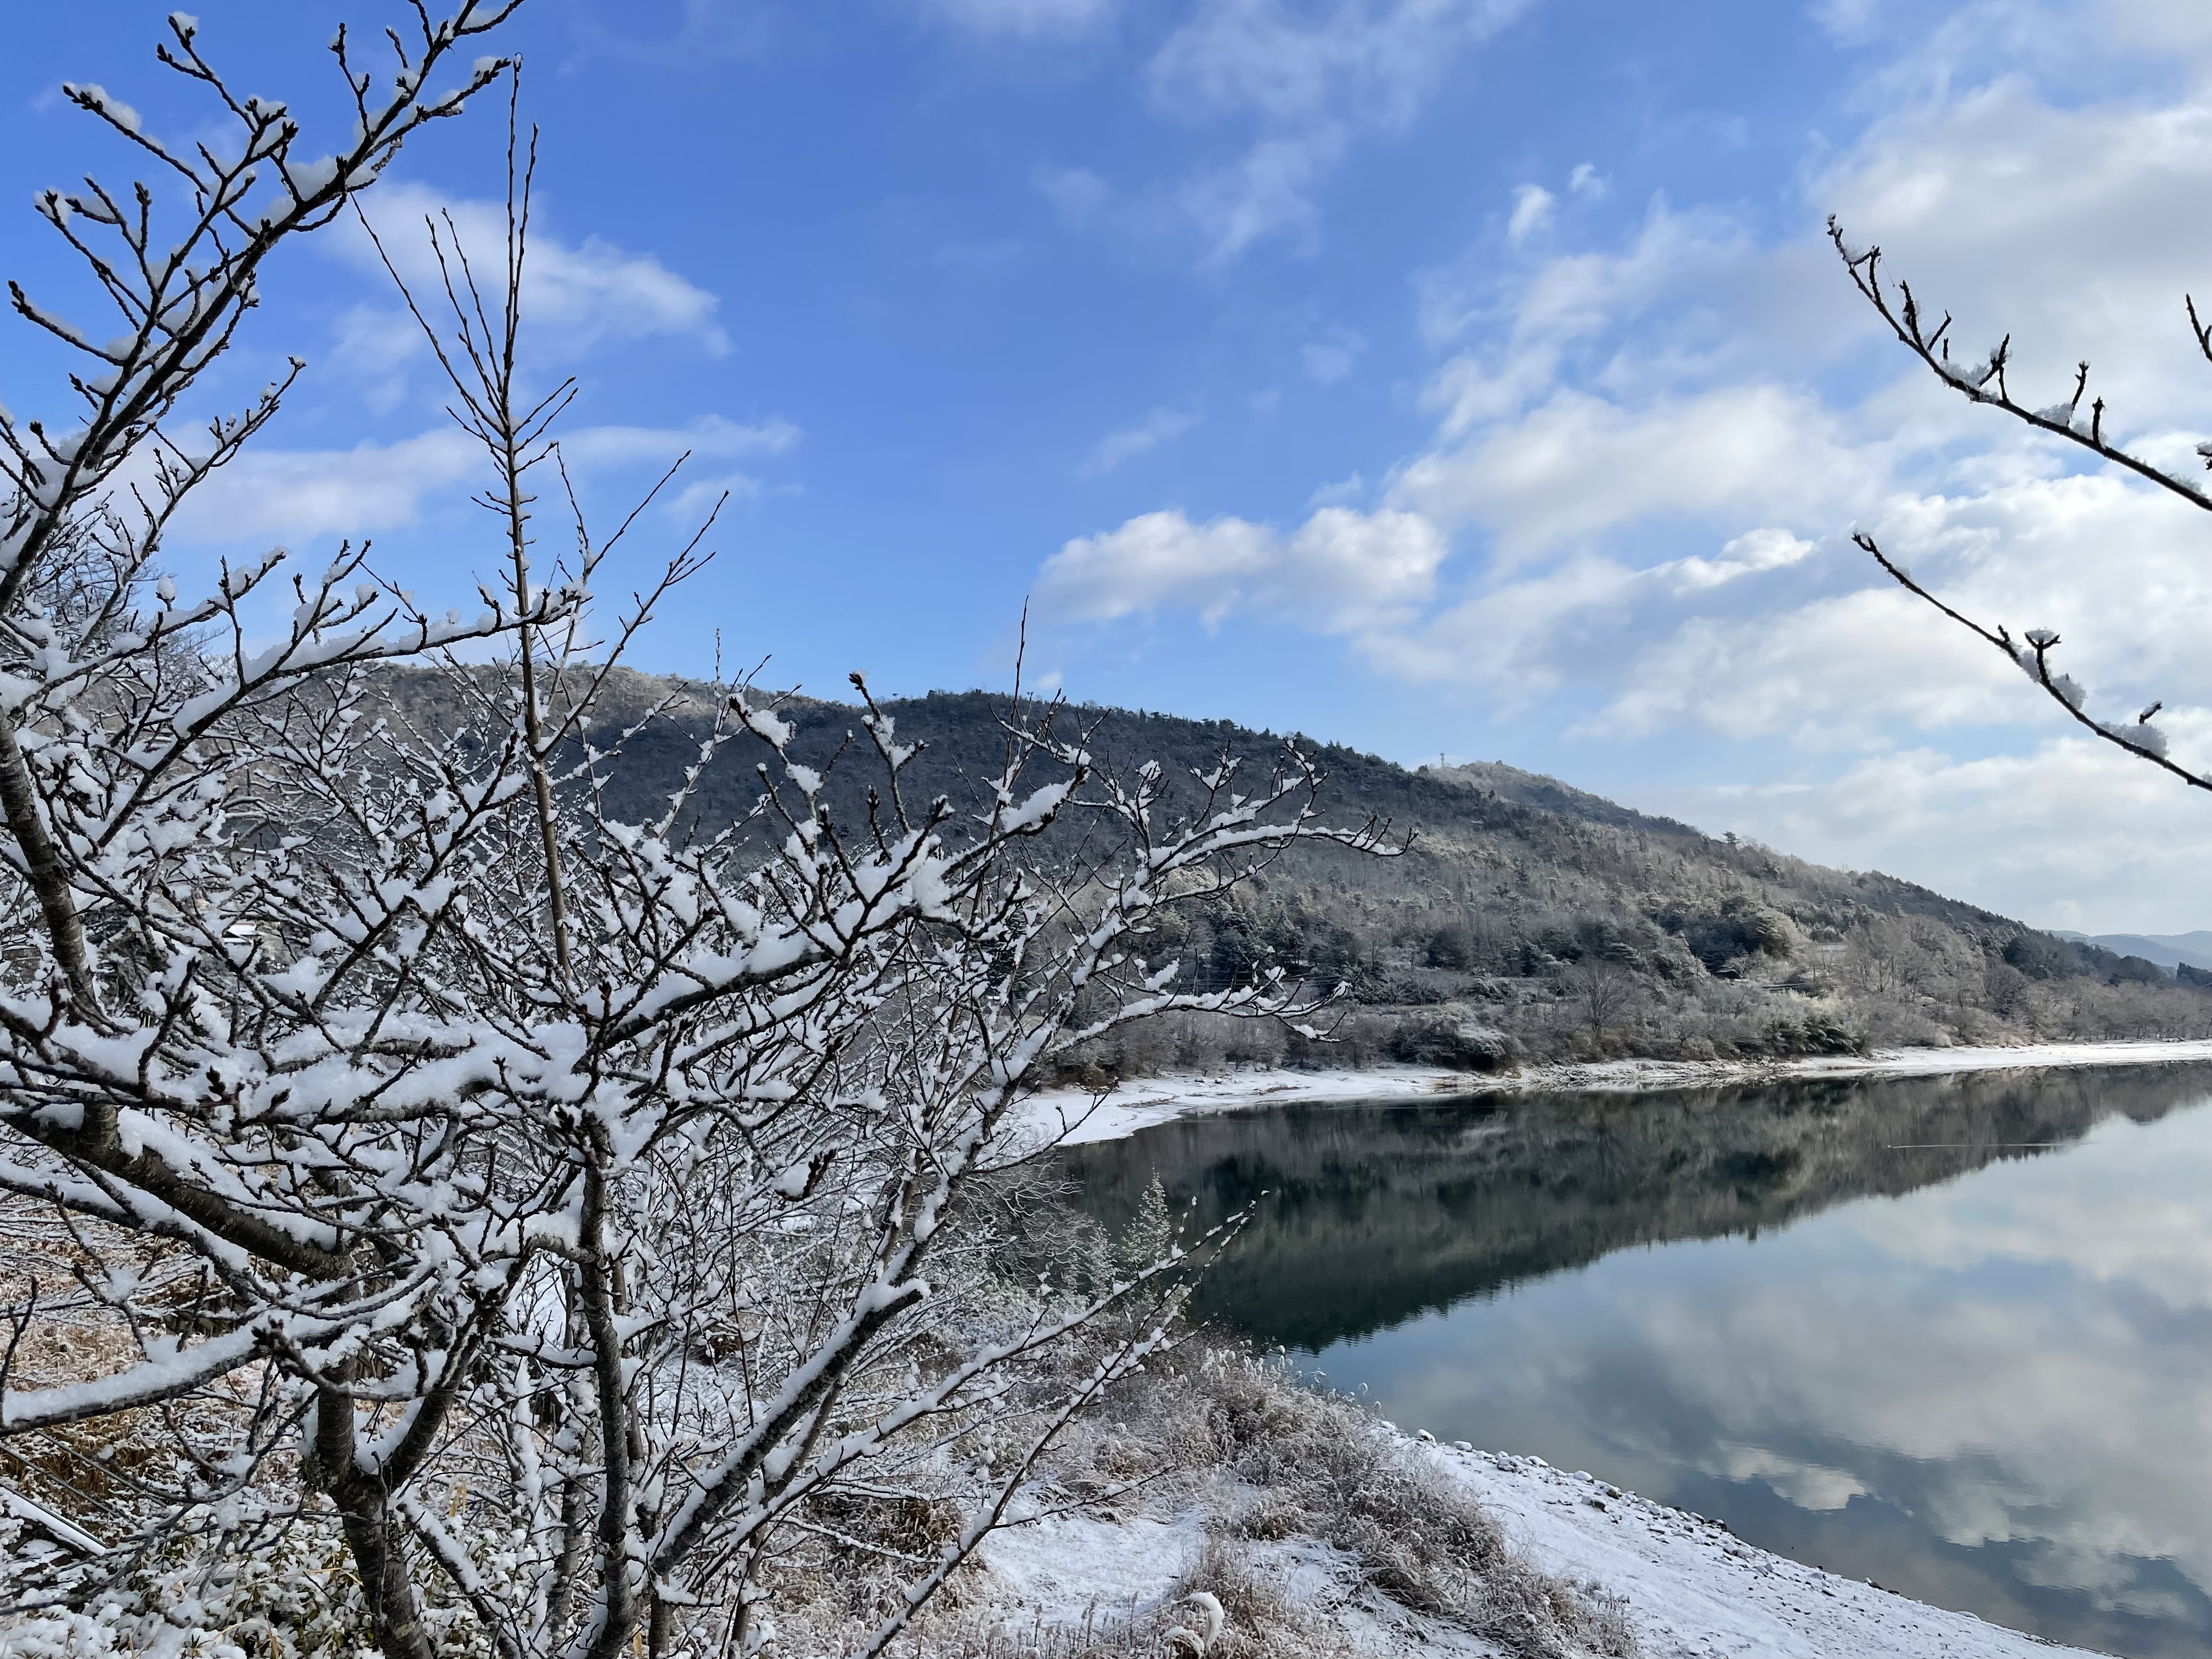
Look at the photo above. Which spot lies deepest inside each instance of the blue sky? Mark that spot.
(1438, 376)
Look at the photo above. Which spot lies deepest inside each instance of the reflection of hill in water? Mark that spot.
(1380, 1212)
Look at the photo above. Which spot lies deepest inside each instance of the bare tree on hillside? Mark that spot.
(2079, 420)
(582, 1217)
(1602, 990)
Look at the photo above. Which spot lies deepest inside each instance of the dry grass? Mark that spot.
(84, 1470)
(1319, 1466)
(1270, 1462)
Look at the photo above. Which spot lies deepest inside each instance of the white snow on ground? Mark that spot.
(1070, 1570)
(1067, 1567)
(1694, 1590)
(1073, 1116)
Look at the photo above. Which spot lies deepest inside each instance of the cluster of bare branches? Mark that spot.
(1986, 380)
(565, 1209)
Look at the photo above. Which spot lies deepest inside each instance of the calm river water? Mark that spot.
(1953, 1334)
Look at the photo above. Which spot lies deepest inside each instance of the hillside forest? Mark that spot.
(1526, 921)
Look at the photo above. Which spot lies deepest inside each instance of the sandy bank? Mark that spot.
(1076, 1116)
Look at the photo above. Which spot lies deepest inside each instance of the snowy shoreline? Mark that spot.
(1691, 1588)
(1074, 1117)
(1694, 1590)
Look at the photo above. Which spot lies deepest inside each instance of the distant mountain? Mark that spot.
(2167, 950)
(1530, 919)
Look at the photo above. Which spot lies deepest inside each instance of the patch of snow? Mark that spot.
(1694, 1590)
(1068, 1566)
(1074, 1117)
(1070, 1569)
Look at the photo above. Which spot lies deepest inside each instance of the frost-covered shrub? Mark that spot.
(241, 1592)
(571, 1212)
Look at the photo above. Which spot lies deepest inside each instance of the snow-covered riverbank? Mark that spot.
(1076, 1116)
(1691, 1589)
(1694, 1590)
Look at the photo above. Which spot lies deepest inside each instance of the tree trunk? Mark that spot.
(372, 1533)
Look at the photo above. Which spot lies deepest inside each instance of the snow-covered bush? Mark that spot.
(571, 1216)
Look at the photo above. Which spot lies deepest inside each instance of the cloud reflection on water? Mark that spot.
(1986, 1392)
(2012, 1364)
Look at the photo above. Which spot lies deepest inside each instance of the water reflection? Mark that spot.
(1972, 1371)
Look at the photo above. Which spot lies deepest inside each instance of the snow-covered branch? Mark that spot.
(439, 1144)
(1986, 379)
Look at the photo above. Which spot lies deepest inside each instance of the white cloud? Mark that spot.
(1159, 426)
(1991, 205)
(301, 494)
(1511, 641)
(1699, 270)
(1305, 81)
(377, 347)
(1839, 672)
(693, 501)
(1161, 561)
(2067, 832)
(2058, 41)
(1080, 196)
(2014, 1465)
(2068, 1279)
(1580, 465)
(1265, 193)
(1809, 1486)
(1027, 19)
(2025, 552)
(1373, 64)
(577, 296)
(1754, 551)
(1532, 212)
(1517, 639)
(711, 437)
(705, 31)
(1648, 454)
(1341, 572)
(1330, 359)
(1606, 394)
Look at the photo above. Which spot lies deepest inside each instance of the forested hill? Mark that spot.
(964, 745)
(1535, 789)
(1531, 919)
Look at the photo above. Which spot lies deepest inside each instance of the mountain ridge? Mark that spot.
(1530, 919)
(2167, 950)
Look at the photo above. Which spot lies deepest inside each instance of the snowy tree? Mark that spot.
(1151, 1232)
(2079, 420)
(558, 1210)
